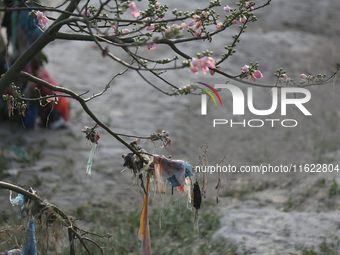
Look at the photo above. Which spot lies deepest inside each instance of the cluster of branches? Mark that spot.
(108, 25)
(52, 213)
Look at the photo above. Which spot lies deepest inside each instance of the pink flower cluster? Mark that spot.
(135, 11)
(219, 25)
(86, 13)
(204, 64)
(249, 7)
(227, 9)
(42, 19)
(243, 19)
(196, 24)
(256, 75)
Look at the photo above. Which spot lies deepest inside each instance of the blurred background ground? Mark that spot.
(262, 214)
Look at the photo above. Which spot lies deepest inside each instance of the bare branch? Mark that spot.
(33, 197)
(82, 103)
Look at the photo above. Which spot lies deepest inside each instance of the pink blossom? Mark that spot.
(219, 25)
(250, 7)
(252, 78)
(158, 5)
(198, 32)
(114, 25)
(198, 24)
(193, 69)
(126, 31)
(87, 13)
(243, 19)
(204, 63)
(303, 76)
(151, 45)
(245, 68)
(187, 87)
(191, 23)
(210, 62)
(184, 25)
(39, 14)
(204, 13)
(227, 9)
(194, 62)
(150, 28)
(45, 20)
(135, 11)
(234, 22)
(258, 74)
(42, 19)
(132, 6)
(195, 17)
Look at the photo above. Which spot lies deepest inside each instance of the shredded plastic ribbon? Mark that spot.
(31, 246)
(144, 230)
(175, 171)
(89, 162)
(16, 201)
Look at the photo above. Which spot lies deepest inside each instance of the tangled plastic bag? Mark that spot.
(175, 171)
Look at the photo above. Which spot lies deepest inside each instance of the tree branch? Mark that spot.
(38, 45)
(33, 197)
(83, 104)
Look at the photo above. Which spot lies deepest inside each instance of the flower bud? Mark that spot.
(303, 76)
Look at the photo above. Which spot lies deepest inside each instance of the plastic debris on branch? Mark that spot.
(144, 230)
(93, 136)
(133, 162)
(31, 245)
(175, 171)
(159, 168)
